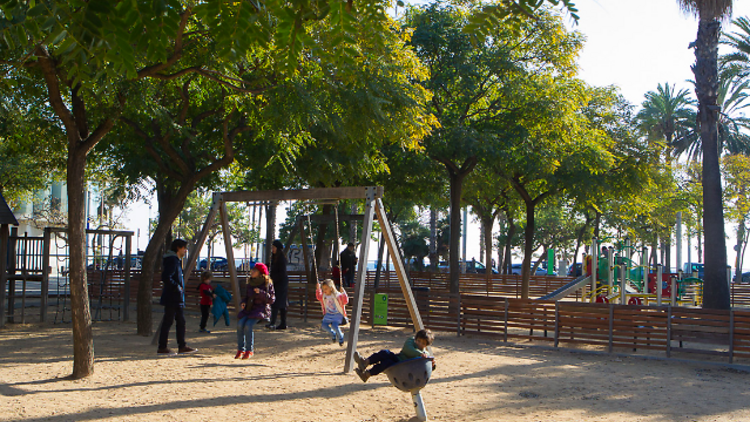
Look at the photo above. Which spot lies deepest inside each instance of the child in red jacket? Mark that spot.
(207, 295)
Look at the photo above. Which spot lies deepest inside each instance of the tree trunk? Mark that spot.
(434, 259)
(508, 261)
(481, 241)
(487, 223)
(739, 249)
(597, 224)
(170, 205)
(83, 338)
(456, 184)
(716, 290)
(528, 249)
(320, 243)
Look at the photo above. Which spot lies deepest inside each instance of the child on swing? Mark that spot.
(333, 303)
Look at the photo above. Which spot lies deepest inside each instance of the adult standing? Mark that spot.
(281, 284)
(348, 264)
(173, 298)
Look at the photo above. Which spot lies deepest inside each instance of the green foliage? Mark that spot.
(29, 156)
(193, 216)
(668, 115)
(413, 239)
(512, 13)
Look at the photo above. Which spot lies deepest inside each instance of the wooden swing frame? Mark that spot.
(372, 196)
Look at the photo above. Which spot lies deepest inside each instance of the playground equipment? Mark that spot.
(373, 206)
(617, 277)
(410, 376)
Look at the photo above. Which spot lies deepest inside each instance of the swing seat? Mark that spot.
(411, 375)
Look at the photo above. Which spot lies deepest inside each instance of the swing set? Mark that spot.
(411, 375)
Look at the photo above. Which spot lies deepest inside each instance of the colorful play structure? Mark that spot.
(619, 279)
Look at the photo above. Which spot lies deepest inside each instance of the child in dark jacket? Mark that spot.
(207, 295)
(413, 348)
(256, 306)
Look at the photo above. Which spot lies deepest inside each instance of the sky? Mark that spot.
(633, 44)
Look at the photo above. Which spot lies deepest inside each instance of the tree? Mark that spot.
(710, 13)
(667, 115)
(736, 169)
(732, 123)
(472, 77)
(88, 54)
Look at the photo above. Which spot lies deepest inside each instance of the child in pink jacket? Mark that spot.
(333, 303)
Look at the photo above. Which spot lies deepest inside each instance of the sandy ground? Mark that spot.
(297, 375)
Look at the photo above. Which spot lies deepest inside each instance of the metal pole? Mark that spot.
(126, 282)
(464, 233)
(594, 266)
(678, 240)
(45, 275)
(658, 284)
(611, 270)
(644, 270)
(623, 285)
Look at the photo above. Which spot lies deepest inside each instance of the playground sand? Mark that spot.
(296, 375)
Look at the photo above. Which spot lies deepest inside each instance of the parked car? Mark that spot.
(690, 267)
(216, 263)
(472, 267)
(477, 267)
(518, 269)
(575, 270)
(241, 264)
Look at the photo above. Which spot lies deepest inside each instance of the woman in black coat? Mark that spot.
(281, 284)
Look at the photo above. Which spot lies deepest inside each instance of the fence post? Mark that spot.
(557, 323)
(459, 309)
(372, 307)
(45, 276)
(304, 301)
(505, 330)
(731, 336)
(126, 281)
(611, 325)
(669, 329)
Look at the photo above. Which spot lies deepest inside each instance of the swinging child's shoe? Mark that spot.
(363, 375)
(361, 363)
(247, 355)
(239, 353)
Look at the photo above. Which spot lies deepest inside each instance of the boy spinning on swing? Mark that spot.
(414, 347)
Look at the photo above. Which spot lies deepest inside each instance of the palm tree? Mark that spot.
(732, 124)
(666, 114)
(706, 71)
(738, 61)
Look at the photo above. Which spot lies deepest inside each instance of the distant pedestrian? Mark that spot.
(173, 298)
(281, 285)
(348, 264)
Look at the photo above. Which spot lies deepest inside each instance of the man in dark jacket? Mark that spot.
(281, 285)
(348, 264)
(173, 298)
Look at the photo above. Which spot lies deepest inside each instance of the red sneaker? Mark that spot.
(239, 353)
(247, 355)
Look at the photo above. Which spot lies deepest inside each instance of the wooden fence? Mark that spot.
(494, 309)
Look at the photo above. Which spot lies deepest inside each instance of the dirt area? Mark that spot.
(297, 375)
